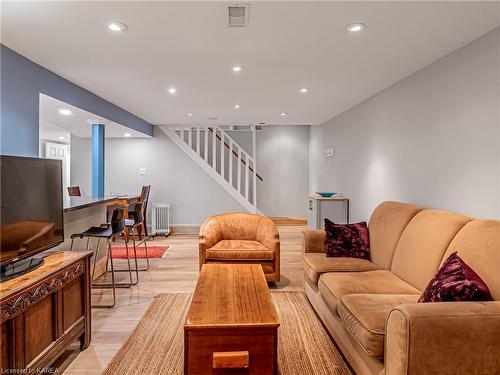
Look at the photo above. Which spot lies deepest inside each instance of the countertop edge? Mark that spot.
(90, 204)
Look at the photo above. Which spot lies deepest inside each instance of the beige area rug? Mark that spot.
(156, 345)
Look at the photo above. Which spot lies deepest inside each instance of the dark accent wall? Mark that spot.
(22, 81)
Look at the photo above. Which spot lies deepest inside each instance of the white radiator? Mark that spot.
(160, 222)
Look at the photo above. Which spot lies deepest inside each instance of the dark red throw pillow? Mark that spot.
(456, 281)
(347, 240)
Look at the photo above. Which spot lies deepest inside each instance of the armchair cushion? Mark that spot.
(239, 250)
(315, 264)
(364, 317)
(439, 338)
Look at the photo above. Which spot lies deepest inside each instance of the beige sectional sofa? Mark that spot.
(370, 307)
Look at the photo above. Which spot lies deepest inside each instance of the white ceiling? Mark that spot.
(54, 125)
(288, 45)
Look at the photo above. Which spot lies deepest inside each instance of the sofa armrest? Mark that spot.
(313, 241)
(443, 338)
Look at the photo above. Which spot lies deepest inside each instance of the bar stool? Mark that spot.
(107, 231)
(137, 221)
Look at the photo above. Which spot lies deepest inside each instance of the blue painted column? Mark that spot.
(97, 160)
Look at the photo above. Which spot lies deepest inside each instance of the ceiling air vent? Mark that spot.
(238, 15)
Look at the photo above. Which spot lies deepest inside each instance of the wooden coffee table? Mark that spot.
(231, 326)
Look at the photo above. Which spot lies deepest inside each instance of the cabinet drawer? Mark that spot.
(231, 351)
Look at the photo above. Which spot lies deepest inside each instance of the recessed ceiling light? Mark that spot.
(62, 138)
(355, 27)
(236, 106)
(127, 135)
(172, 90)
(117, 26)
(65, 112)
(237, 68)
(303, 90)
(190, 114)
(283, 114)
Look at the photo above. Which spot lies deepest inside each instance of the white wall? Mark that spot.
(283, 158)
(432, 139)
(283, 163)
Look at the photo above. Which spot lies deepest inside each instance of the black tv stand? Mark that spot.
(19, 268)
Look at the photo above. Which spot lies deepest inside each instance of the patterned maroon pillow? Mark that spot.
(347, 240)
(456, 281)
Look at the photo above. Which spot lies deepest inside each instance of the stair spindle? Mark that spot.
(222, 151)
(198, 140)
(206, 145)
(230, 154)
(239, 170)
(214, 148)
(247, 182)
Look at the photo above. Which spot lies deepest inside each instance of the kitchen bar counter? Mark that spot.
(76, 203)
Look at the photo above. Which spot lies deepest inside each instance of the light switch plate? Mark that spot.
(328, 152)
(142, 171)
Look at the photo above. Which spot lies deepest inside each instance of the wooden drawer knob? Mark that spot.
(230, 359)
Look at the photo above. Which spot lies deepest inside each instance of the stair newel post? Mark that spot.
(254, 155)
(222, 152)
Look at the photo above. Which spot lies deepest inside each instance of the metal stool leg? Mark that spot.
(116, 284)
(130, 269)
(108, 255)
(95, 258)
(135, 255)
(145, 246)
(143, 241)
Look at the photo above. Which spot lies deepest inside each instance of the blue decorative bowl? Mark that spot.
(325, 194)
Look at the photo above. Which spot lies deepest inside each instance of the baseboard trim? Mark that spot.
(185, 229)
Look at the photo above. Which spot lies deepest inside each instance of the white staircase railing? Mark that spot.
(222, 158)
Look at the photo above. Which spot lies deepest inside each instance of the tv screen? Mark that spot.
(31, 207)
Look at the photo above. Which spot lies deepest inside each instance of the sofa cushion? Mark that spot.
(335, 285)
(387, 222)
(423, 244)
(315, 264)
(347, 240)
(364, 316)
(239, 250)
(455, 281)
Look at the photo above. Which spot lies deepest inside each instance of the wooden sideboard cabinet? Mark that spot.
(44, 311)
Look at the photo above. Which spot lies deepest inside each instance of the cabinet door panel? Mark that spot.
(39, 327)
(72, 302)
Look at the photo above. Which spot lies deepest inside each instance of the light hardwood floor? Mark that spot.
(177, 272)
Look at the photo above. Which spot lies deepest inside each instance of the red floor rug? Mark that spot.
(120, 252)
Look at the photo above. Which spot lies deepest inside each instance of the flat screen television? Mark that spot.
(31, 211)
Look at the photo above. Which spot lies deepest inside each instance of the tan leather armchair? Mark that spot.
(239, 237)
